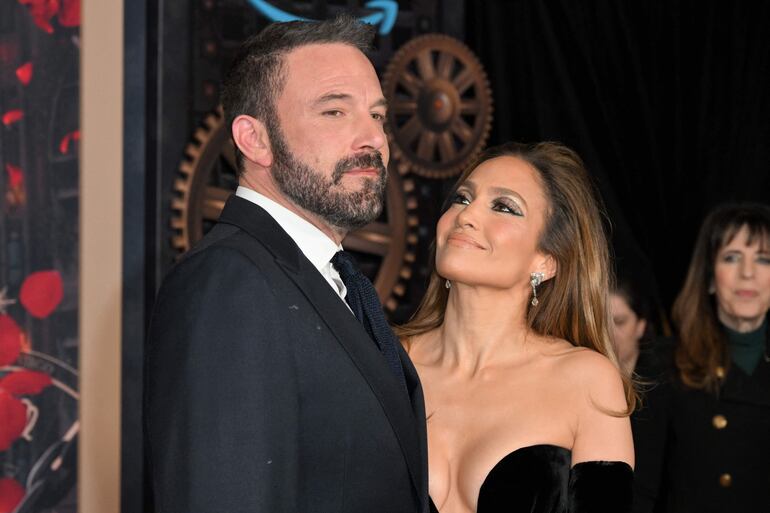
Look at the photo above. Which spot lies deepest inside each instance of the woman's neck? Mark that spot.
(482, 326)
(740, 324)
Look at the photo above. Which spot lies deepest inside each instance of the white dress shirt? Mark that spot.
(314, 244)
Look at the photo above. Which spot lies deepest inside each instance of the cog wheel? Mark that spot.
(385, 248)
(439, 106)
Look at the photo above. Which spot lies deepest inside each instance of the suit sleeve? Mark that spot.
(220, 394)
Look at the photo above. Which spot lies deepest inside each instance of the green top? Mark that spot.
(747, 348)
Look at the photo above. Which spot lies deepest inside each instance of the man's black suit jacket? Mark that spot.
(263, 392)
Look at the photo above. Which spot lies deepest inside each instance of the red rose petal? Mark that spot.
(11, 494)
(12, 116)
(10, 340)
(41, 293)
(42, 11)
(24, 73)
(25, 382)
(13, 419)
(64, 144)
(69, 16)
(15, 175)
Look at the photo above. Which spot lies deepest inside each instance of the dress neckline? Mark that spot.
(510, 456)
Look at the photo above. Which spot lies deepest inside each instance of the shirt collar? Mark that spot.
(314, 244)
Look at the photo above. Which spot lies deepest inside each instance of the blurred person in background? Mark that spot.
(707, 444)
(631, 329)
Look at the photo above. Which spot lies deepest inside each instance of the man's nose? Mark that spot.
(370, 134)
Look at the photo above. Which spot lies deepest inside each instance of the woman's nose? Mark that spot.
(467, 216)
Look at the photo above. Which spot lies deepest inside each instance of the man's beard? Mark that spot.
(311, 190)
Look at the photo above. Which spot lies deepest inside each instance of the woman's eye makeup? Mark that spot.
(461, 197)
(762, 258)
(507, 206)
(502, 205)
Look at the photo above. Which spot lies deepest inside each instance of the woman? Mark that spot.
(629, 311)
(526, 408)
(711, 423)
(644, 357)
(633, 332)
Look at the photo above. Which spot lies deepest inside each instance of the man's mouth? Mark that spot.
(364, 171)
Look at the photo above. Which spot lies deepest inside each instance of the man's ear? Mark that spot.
(251, 138)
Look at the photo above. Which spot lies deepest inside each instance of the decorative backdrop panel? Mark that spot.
(39, 101)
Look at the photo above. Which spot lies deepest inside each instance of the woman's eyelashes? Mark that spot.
(461, 198)
(507, 206)
(502, 205)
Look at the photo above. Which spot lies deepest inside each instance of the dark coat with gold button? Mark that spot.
(704, 452)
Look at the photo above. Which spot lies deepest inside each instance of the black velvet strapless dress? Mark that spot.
(538, 479)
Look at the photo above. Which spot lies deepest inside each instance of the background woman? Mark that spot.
(711, 424)
(525, 403)
(631, 327)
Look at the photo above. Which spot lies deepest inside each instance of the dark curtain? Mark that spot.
(667, 102)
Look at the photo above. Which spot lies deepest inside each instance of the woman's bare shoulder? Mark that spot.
(590, 373)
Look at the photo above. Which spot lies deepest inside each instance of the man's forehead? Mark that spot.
(318, 58)
(328, 69)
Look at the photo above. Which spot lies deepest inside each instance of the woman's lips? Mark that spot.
(745, 293)
(459, 239)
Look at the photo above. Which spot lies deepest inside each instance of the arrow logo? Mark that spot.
(385, 17)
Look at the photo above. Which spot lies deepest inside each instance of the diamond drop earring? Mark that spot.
(448, 284)
(535, 279)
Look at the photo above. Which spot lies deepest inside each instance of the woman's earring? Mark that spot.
(535, 279)
(448, 284)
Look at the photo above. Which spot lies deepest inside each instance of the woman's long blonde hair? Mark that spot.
(573, 305)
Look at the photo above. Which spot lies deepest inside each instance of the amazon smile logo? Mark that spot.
(384, 17)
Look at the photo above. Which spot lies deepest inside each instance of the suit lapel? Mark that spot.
(347, 330)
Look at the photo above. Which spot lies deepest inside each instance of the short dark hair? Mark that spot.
(257, 75)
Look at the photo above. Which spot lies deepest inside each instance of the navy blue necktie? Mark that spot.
(365, 304)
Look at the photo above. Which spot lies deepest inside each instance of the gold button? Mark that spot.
(719, 421)
(720, 372)
(725, 480)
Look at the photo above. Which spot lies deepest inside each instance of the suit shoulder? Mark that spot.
(229, 260)
(224, 246)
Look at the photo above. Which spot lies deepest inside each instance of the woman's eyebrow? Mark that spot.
(503, 191)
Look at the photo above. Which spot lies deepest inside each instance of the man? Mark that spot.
(264, 392)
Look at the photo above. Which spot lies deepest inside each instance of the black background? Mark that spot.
(667, 102)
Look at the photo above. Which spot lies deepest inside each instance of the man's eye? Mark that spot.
(377, 116)
(333, 113)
